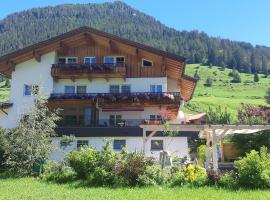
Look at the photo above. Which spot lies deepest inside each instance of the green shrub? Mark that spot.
(82, 161)
(58, 172)
(191, 174)
(253, 170)
(201, 152)
(154, 175)
(96, 167)
(229, 181)
(131, 165)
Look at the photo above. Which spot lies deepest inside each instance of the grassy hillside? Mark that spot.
(223, 92)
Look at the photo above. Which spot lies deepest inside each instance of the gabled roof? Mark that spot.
(8, 61)
(6, 58)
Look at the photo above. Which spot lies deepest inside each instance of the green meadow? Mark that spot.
(32, 189)
(224, 93)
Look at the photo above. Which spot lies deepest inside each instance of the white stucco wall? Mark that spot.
(29, 72)
(177, 146)
(100, 85)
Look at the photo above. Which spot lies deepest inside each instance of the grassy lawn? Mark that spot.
(223, 92)
(30, 188)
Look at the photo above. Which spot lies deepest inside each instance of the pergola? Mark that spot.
(213, 134)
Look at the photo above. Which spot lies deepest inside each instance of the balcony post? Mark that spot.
(144, 141)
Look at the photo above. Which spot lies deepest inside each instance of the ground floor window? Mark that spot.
(81, 143)
(156, 145)
(119, 144)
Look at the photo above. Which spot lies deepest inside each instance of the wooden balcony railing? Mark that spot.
(109, 70)
(123, 98)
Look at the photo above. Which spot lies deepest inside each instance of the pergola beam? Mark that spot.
(212, 133)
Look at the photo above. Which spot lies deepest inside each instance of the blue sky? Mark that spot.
(242, 20)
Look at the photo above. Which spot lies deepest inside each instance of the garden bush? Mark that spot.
(213, 177)
(228, 180)
(253, 170)
(154, 175)
(132, 165)
(96, 167)
(82, 161)
(191, 174)
(58, 172)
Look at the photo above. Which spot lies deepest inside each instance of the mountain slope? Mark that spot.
(24, 28)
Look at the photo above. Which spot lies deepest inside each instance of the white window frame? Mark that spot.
(125, 141)
(157, 140)
(144, 59)
(126, 85)
(67, 59)
(82, 140)
(119, 86)
(156, 86)
(114, 58)
(76, 88)
(91, 57)
(32, 86)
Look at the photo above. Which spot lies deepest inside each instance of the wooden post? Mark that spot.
(144, 141)
(214, 151)
(222, 149)
(207, 152)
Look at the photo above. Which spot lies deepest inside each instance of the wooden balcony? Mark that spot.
(89, 71)
(118, 99)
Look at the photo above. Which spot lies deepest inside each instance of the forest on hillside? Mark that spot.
(28, 27)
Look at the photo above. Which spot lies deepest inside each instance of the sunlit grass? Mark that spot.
(30, 188)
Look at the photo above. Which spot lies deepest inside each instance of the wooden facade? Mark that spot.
(86, 42)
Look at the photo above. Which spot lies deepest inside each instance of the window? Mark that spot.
(114, 88)
(81, 89)
(119, 144)
(156, 88)
(89, 60)
(31, 90)
(125, 88)
(69, 89)
(35, 90)
(81, 143)
(61, 60)
(115, 119)
(71, 60)
(114, 59)
(147, 63)
(156, 145)
(155, 117)
(120, 59)
(109, 59)
(27, 90)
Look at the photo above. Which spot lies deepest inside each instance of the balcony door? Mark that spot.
(87, 116)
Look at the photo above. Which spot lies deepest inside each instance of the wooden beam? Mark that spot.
(89, 39)
(63, 47)
(37, 56)
(11, 65)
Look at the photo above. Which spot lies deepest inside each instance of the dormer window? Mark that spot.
(67, 60)
(147, 63)
(114, 59)
(72, 60)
